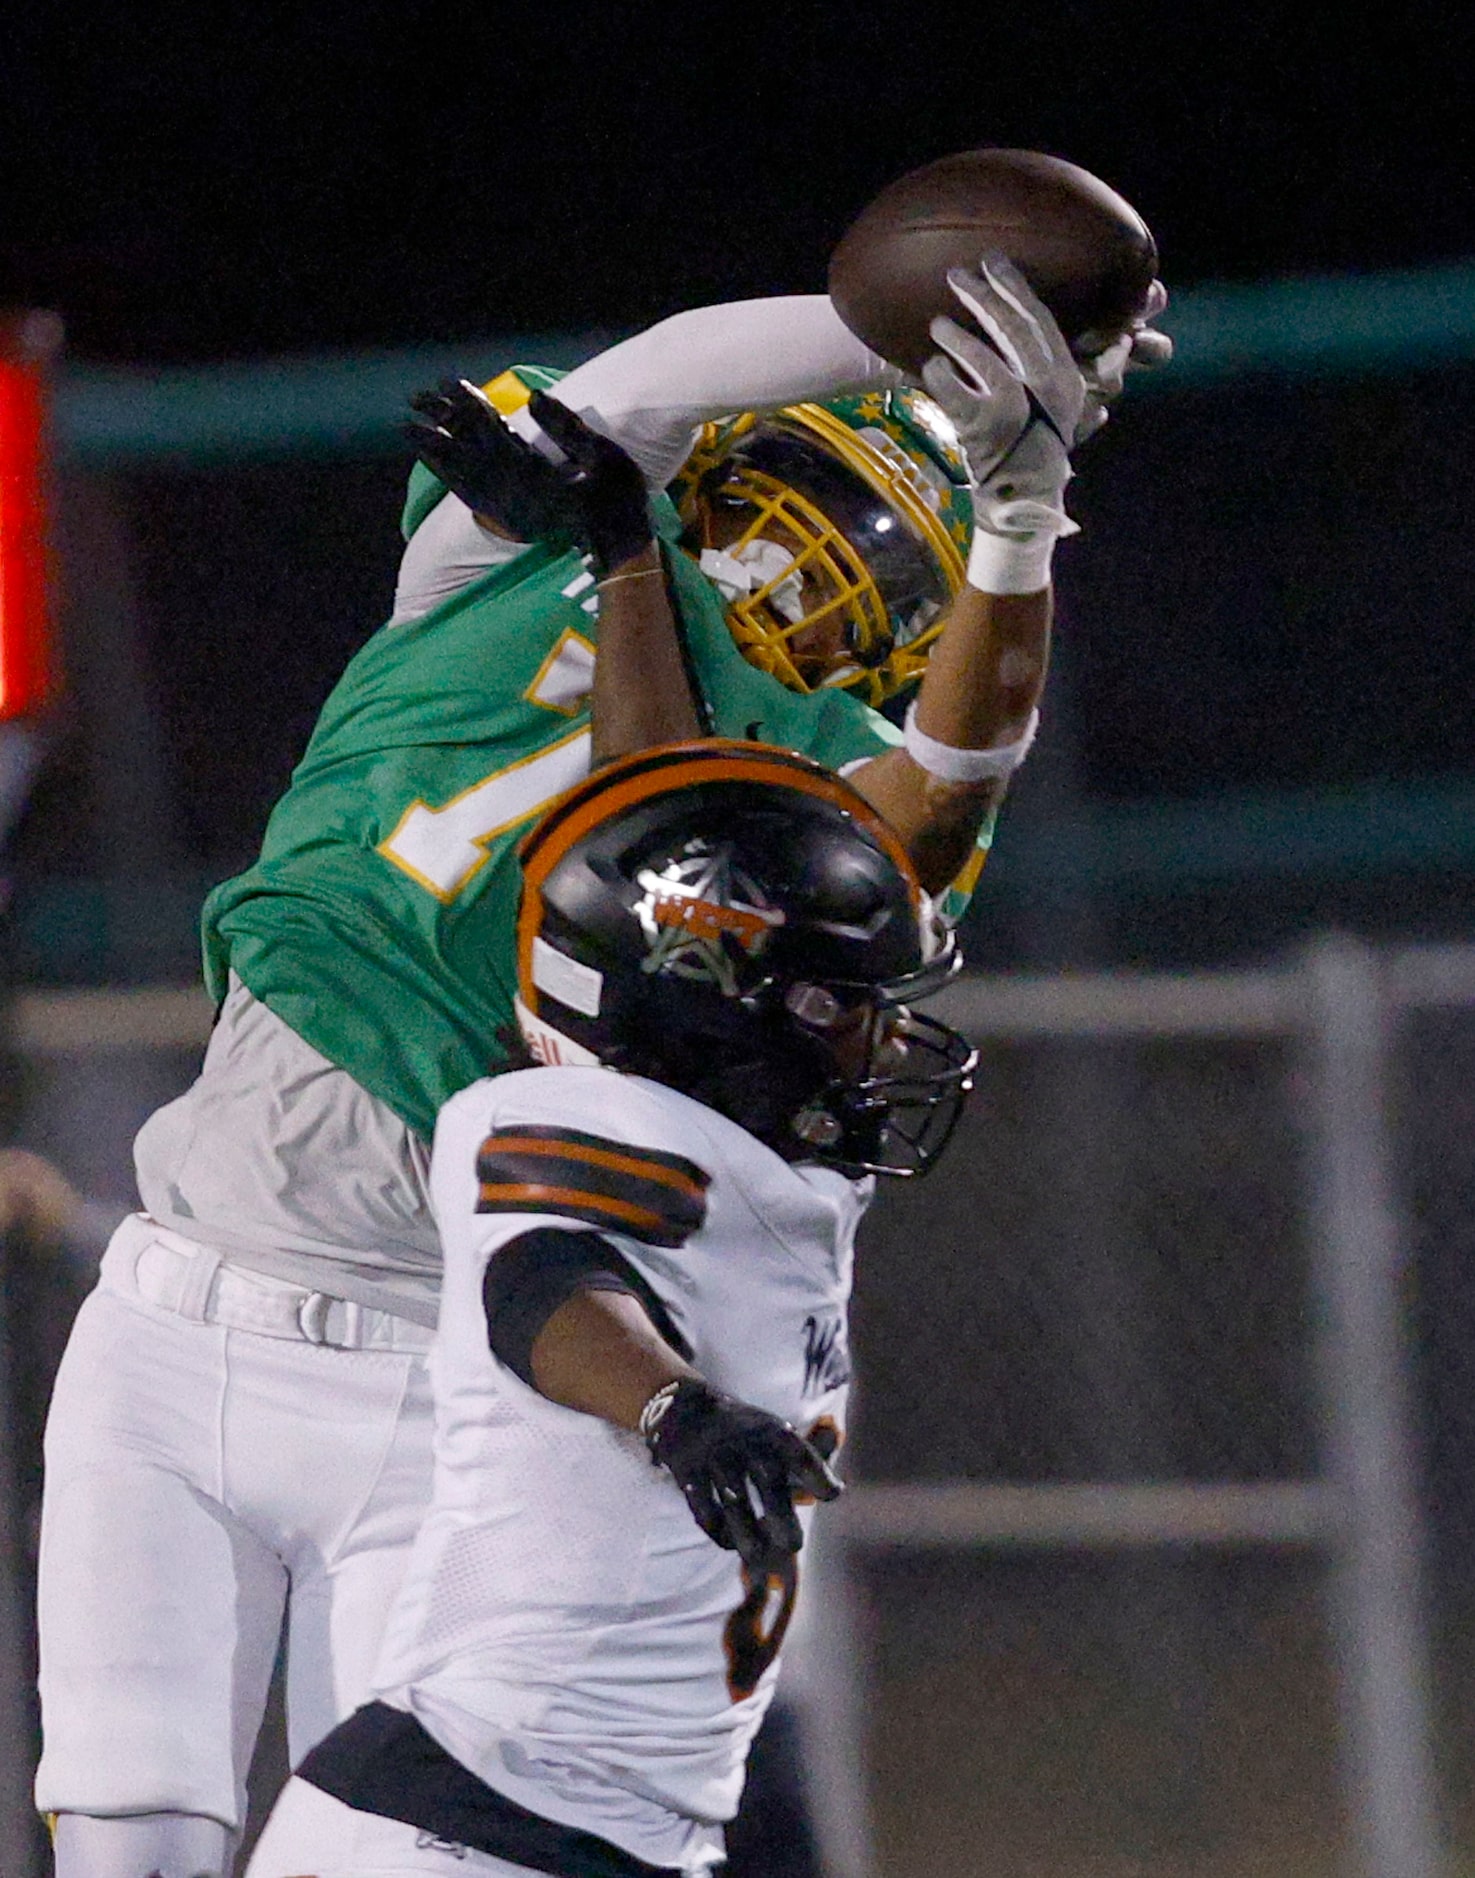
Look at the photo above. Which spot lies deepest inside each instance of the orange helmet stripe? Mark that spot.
(660, 771)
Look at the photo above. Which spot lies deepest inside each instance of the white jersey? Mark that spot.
(566, 1630)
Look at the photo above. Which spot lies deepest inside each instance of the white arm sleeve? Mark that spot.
(652, 393)
(447, 552)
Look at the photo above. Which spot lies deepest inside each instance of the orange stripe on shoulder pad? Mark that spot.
(642, 1192)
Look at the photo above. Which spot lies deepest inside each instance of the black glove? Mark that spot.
(740, 1469)
(595, 498)
(458, 433)
(605, 486)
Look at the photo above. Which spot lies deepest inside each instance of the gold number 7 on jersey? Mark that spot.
(442, 848)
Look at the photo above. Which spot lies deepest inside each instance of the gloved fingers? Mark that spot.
(1020, 328)
(423, 435)
(445, 392)
(567, 429)
(709, 1511)
(979, 370)
(455, 427)
(607, 479)
(494, 474)
(751, 1542)
(972, 294)
(1140, 347)
(1149, 348)
(742, 1520)
(761, 1494)
(1015, 320)
(457, 406)
(434, 405)
(1094, 413)
(740, 1469)
(609, 471)
(989, 420)
(1023, 303)
(504, 452)
(778, 1523)
(468, 410)
(433, 416)
(941, 378)
(1104, 370)
(810, 1472)
(1104, 367)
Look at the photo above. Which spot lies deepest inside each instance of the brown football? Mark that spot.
(1086, 252)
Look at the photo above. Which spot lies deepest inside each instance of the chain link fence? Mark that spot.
(1165, 1429)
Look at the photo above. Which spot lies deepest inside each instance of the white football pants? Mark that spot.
(201, 1479)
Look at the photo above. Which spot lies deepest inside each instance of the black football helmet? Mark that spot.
(737, 922)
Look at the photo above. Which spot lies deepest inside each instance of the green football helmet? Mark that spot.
(838, 534)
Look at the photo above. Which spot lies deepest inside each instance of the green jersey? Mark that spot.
(379, 919)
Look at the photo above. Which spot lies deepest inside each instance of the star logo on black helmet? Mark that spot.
(703, 917)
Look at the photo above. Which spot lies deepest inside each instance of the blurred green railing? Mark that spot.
(347, 404)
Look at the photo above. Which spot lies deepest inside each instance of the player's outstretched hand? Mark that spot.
(1020, 373)
(1018, 469)
(459, 434)
(594, 497)
(604, 484)
(740, 1469)
(1105, 367)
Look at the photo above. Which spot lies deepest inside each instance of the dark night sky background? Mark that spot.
(191, 183)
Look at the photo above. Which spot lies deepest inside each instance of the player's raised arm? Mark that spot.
(592, 497)
(1016, 402)
(653, 392)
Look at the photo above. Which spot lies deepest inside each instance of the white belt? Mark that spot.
(166, 1269)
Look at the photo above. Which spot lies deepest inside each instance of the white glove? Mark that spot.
(1015, 400)
(1105, 371)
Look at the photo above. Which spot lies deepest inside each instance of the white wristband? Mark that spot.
(1011, 553)
(948, 763)
(1001, 564)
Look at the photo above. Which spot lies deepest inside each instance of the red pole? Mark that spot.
(29, 342)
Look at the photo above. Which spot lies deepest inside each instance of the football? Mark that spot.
(1085, 251)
